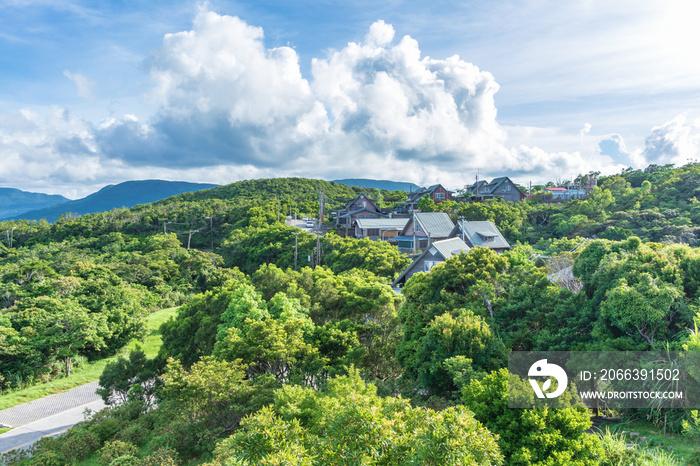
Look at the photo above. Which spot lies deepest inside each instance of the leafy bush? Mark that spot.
(116, 449)
(350, 424)
(126, 460)
(617, 453)
(78, 444)
(161, 457)
(47, 458)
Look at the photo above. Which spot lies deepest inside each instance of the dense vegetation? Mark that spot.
(325, 365)
(657, 204)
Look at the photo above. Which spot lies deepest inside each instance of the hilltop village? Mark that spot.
(431, 237)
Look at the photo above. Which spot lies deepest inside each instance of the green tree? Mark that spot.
(124, 379)
(447, 336)
(214, 393)
(542, 436)
(446, 206)
(378, 257)
(644, 307)
(349, 424)
(426, 204)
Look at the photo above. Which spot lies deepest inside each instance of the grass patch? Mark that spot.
(93, 370)
(681, 447)
(5, 429)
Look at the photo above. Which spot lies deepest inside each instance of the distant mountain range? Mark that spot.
(16, 204)
(379, 184)
(127, 194)
(14, 201)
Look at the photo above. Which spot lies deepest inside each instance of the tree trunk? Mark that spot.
(68, 367)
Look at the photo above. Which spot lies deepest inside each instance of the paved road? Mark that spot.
(50, 415)
(301, 224)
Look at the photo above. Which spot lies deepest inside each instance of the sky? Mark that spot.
(97, 93)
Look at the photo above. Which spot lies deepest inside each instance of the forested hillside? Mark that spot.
(328, 365)
(657, 204)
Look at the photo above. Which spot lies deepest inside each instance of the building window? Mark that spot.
(429, 265)
(373, 232)
(439, 196)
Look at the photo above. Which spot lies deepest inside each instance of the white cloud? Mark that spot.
(676, 141)
(614, 146)
(390, 102)
(83, 86)
(586, 129)
(226, 107)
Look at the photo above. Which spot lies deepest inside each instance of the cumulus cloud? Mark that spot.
(392, 101)
(222, 98)
(226, 107)
(225, 99)
(676, 141)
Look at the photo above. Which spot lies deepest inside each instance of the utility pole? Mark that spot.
(461, 227)
(211, 231)
(296, 248)
(12, 231)
(278, 208)
(165, 229)
(189, 237)
(318, 248)
(321, 206)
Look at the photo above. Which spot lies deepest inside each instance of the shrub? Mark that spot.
(107, 428)
(161, 457)
(78, 444)
(116, 449)
(126, 460)
(134, 434)
(616, 450)
(47, 458)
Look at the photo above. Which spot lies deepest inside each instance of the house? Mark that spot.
(485, 234)
(436, 192)
(499, 187)
(359, 207)
(438, 252)
(379, 228)
(422, 230)
(566, 194)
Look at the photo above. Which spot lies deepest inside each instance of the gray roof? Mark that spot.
(490, 188)
(365, 209)
(479, 233)
(416, 195)
(450, 247)
(384, 223)
(435, 224)
(447, 248)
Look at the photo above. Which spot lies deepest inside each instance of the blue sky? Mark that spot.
(93, 93)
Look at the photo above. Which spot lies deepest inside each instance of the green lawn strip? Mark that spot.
(92, 371)
(681, 446)
(5, 429)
